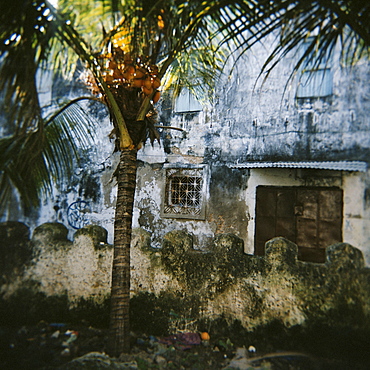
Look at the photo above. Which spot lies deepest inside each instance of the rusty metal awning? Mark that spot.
(356, 166)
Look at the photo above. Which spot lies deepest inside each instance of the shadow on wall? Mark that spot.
(189, 288)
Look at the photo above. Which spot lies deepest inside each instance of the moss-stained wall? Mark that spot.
(226, 208)
(192, 286)
(57, 266)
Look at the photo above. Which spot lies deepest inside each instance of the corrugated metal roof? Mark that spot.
(357, 166)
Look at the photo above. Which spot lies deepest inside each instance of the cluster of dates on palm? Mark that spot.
(121, 69)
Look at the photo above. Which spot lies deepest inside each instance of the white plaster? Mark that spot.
(152, 153)
(355, 216)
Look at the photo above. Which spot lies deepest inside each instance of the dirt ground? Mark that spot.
(53, 345)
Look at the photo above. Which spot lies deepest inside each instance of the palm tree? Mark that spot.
(129, 48)
(132, 59)
(138, 43)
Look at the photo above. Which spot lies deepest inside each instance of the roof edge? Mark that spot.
(355, 166)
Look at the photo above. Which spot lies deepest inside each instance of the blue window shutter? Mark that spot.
(315, 84)
(186, 102)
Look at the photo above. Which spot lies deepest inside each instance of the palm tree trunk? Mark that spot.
(120, 291)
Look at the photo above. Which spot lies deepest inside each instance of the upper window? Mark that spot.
(185, 192)
(316, 78)
(186, 102)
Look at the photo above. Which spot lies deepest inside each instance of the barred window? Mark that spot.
(184, 193)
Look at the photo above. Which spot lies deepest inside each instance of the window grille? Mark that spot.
(184, 193)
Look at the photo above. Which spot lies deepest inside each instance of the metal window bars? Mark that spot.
(183, 193)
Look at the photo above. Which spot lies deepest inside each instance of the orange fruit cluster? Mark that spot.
(119, 68)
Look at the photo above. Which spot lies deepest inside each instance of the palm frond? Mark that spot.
(327, 24)
(34, 162)
(27, 35)
(22, 167)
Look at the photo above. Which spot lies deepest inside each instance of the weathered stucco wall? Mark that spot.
(226, 210)
(221, 282)
(231, 202)
(246, 121)
(55, 265)
(266, 122)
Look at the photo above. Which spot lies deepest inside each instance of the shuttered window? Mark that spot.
(316, 79)
(315, 84)
(186, 102)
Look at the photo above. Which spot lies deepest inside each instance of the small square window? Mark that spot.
(185, 193)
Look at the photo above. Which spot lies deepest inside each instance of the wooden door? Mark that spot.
(309, 217)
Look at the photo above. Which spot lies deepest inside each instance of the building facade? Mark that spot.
(282, 157)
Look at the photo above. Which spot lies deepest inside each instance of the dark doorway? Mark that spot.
(309, 217)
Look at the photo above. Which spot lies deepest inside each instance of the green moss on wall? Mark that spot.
(51, 234)
(97, 233)
(164, 314)
(28, 306)
(15, 250)
(210, 272)
(53, 231)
